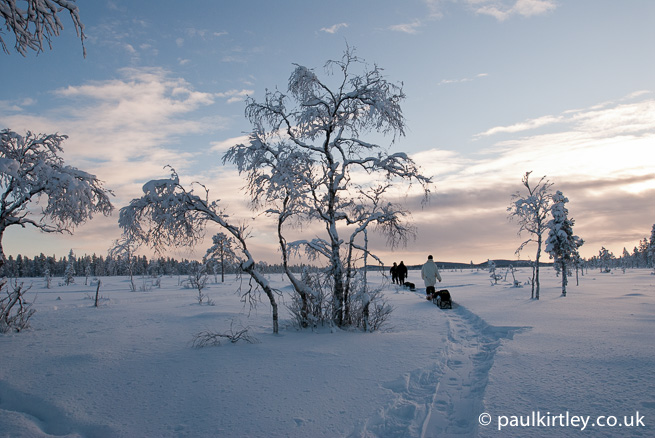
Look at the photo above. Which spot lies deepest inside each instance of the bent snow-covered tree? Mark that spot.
(561, 244)
(307, 160)
(31, 170)
(167, 215)
(35, 22)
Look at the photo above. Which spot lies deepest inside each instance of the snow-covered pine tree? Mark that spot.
(644, 246)
(605, 258)
(48, 278)
(531, 213)
(87, 274)
(561, 243)
(69, 273)
(626, 259)
(221, 252)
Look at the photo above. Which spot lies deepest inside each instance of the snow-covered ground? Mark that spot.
(127, 368)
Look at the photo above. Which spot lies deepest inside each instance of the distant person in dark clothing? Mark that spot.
(401, 272)
(394, 273)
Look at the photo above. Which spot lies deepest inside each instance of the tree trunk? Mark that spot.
(2, 251)
(337, 275)
(249, 267)
(349, 277)
(97, 292)
(536, 296)
(222, 267)
(298, 285)
(532, 282)
(564, 279)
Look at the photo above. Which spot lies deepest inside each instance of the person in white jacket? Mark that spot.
(430, 275)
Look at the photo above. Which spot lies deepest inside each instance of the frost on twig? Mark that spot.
(207, 338)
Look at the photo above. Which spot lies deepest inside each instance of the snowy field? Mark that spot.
(127, 368)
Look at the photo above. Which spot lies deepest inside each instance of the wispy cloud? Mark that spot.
(334, 28)
(224, 145)
(505, 9)
(522, 126)
(500, 9)
(434, 8)
(604, 120)
(462, 80)
(235, 95)
(410, 28)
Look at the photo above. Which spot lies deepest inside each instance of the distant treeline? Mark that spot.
(642, 256)
(97, 266)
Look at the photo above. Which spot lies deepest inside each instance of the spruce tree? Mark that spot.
(561, 244)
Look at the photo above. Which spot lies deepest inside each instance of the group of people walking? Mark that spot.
(398, 273)
(429, 273)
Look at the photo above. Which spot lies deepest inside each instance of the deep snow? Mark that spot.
(127, 369)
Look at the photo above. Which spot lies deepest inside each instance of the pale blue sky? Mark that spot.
(494, 88)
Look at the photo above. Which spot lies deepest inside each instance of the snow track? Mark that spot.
(445, 399)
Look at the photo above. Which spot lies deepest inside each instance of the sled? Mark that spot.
(409, 285)
(441, 298)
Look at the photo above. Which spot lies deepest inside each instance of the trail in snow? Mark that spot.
(446, 398)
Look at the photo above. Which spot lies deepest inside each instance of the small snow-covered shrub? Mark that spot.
(368, 309)
(318, 306)
(197, 280)
(208, 338)
(47, 278)
(15, 311)
(515, 282)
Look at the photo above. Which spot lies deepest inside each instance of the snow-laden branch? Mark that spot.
(31, 168)
(38, 24)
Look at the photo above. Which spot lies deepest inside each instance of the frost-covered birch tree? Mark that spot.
(124, 250)
(168, 215)
(35, 22)
(531, 211)
(307, 161)
(31, 170)
(562, 244)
